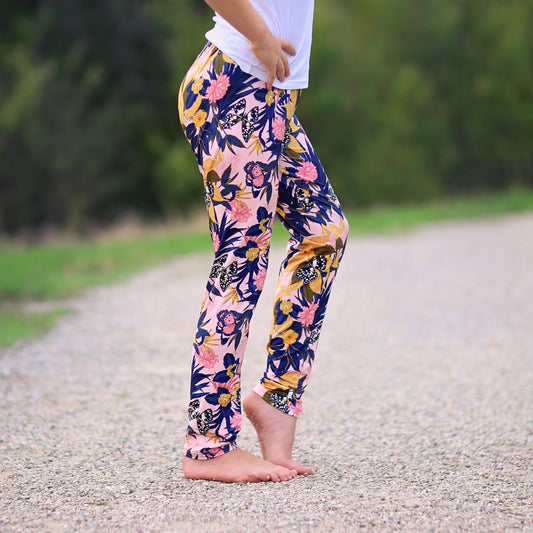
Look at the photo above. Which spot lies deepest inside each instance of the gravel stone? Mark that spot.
(418, 417)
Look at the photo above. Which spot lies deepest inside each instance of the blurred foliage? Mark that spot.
(410, 101)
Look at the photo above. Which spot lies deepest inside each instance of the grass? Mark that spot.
(51, 272)
(17, 324)
(391, 219)
(54, 271)
(60, 270)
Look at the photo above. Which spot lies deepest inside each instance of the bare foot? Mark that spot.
(235, 467)
(275, 430)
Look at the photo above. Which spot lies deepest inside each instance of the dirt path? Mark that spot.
(419, 415)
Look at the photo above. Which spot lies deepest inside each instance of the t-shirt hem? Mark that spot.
(260, 74)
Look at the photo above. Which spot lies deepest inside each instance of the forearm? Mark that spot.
(242, 15)
(271, 50)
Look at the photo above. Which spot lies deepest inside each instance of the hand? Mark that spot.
(272, 52)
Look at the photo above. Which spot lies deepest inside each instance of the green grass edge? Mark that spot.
(56, 271)
(18, 324)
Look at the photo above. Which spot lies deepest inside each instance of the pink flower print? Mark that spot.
(307, 172)
(307, 315)
(217, 89)
(278, 128)
(236, 421)
(206, 356)
(259, 279)
(297, 409)
(239, 211)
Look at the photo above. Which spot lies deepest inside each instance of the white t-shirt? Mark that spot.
(289, 19)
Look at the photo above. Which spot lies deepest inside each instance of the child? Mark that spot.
(237, 107)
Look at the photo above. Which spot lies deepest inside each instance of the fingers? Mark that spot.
(274, 58)
(281, 71)
(270, 79)
(287, 47)
(286, 68)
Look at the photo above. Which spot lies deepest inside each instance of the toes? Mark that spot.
(297, 468)
(263, 476)
(286, 474)
(293, 473)
(301, 469)
(274, 477)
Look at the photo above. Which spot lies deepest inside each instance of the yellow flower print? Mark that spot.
(293, 148)
(210, 164)
(224, 399)
(287, 381)
(263, 225)
(278, 329)
(231, 370)
(289, 337)
(197, 85)
(252, 254)
(286, 307)
(256, 145)
(269, 98)
(199, 118)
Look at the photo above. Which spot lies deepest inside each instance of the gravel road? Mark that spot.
(418, 417)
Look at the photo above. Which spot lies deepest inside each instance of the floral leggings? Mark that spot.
(256, 161)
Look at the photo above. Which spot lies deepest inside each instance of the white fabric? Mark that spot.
(290, 19)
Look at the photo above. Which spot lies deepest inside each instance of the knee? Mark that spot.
(345, 228)
(328, 238)
(342, 236)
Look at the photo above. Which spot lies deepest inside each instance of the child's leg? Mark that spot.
(232, 123)
(312, 214)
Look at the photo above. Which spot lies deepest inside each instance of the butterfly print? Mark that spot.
(331, 194)
(278, 399)
(304, 202)
(224, 273)
(247, 120)
(314, 335)
(309, 271)
(209, 193)
(202, 419)
(194, 407)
